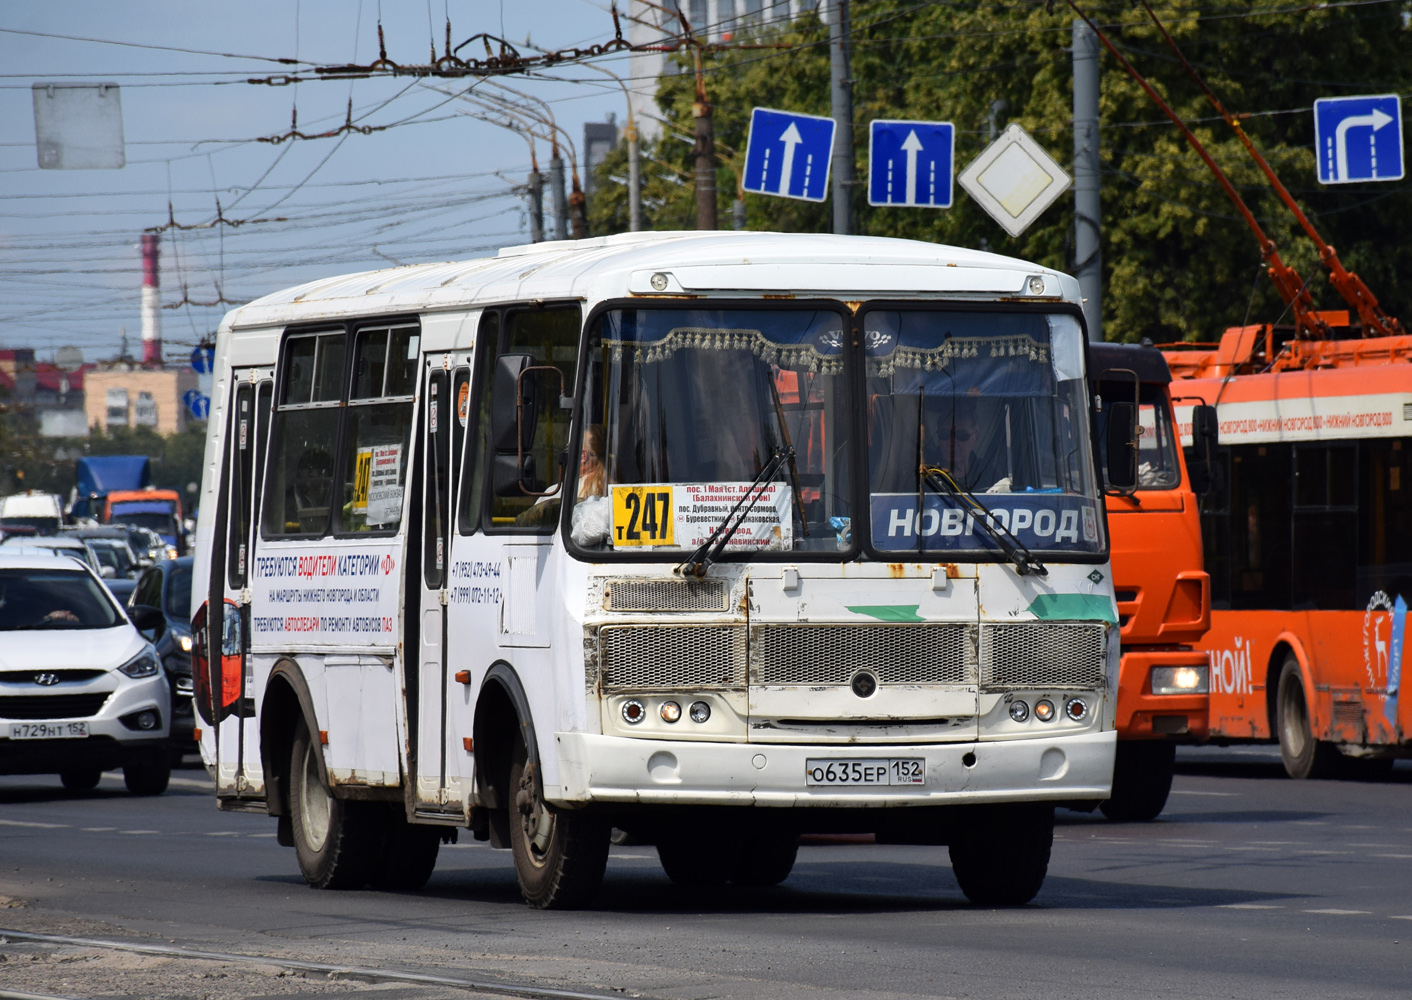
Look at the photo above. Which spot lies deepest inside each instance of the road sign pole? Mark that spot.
(841, 108)
(1088, 267)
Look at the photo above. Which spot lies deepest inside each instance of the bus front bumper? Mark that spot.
(612, 769)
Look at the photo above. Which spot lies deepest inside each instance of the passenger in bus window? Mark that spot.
(593, 477)
(593, 514)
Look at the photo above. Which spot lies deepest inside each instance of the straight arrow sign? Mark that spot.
(787, 155)
(910, 163)
(912, 146)
(791, 139)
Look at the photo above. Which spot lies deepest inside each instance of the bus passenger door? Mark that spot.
(438, 421)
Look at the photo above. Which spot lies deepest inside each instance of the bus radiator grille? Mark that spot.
(1034, 655)
(931, 653)
(673, 657)
(666, 595)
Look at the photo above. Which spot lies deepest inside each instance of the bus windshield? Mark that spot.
(685, 409)
(987, 403)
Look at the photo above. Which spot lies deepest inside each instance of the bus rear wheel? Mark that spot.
(560, 857)
(766, 858)
(1142, 780)
(336, 841)
(1001, 854)
(408, 855)
(1304, 756)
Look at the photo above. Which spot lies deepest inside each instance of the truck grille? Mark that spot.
(665, 595)
(691, 657)
(52, 706)
(1032, 655)
(833, 654)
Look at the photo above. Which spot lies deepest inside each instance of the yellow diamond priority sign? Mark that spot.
(1014, 180)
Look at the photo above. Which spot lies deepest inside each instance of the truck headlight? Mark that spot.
(1180, 680)
(144, 664)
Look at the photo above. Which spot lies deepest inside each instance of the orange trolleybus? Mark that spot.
(1308, 541)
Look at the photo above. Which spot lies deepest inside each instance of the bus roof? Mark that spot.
(683, 263)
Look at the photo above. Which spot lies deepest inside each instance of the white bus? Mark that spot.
(710, 537)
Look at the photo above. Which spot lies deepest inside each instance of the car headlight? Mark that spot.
(1180, 680)
(184, 641)
(144, 664)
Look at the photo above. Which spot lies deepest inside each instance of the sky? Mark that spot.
(434, 184)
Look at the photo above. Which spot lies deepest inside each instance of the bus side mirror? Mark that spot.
(513, 409)
(1205, 434)
(513, 475)
(1122, 446)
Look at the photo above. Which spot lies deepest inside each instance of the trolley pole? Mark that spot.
(1088, 261)
(841, 109)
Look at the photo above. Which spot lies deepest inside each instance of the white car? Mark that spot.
(81, 691)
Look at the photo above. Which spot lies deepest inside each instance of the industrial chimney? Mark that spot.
(151, 304)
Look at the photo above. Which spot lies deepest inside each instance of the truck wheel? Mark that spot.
(766, 859)
(1001, 855)
(81, 779)
(148, 776)
(701, 856)
(408, 854)
(1304, 756)
(559, 856)
(1142, 780)
(336, 841)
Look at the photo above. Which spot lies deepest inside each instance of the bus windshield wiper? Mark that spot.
(945, 485)
(697, 563)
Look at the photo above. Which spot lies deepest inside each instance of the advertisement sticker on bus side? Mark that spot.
(325, 596)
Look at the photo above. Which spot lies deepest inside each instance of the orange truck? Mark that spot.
(159, 510)
(1163, 594)
(1308, 539)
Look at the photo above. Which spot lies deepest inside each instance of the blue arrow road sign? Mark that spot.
(788, 154)
(203, 359)
(197, 403)
(910, 163)
(1358, 139)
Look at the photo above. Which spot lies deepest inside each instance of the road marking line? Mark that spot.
(1399, 856)
(1269, 849)
(1407, 917)
(1249, 906)
(37, 826)
(99, 829)
(222, 833)
(1340, 913)
(140, 831)
(1386, 847)
(1323, 852)
(1183, 791)
(274, 835)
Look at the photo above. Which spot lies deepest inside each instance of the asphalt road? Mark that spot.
(1249, 885)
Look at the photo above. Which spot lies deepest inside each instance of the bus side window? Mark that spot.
(299, 487)
(437, 436)
(379, 427)
(242, 474)
(472, 499)
(551, 337)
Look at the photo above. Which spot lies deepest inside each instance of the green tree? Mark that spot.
(1178, 263)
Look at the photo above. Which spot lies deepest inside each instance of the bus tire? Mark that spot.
(1001, 855)
(1142, 780)
(766, 859)
(1303, 755)
(336, 841)
(148, 776)
(559, 856)
(408, 855)
(706, 855)
(81, 779)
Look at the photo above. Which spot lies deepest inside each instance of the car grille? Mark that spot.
(52, 706)
(665, 595)
(672, 656)
(782, 655)
(65, 676)
(1032, 655)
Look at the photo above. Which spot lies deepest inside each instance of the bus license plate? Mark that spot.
(48, 730)
(868, 771)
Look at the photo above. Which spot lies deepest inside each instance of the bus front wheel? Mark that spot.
(1000, 853)
(560, 857)
(1304, 756)
(336, 841)
(1142, 780)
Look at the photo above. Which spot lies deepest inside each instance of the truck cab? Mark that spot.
(1162, 591)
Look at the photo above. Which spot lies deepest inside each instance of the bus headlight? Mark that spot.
(633, 712)
(670, 711)
(1180, 680)
(700, 711)
(1044, 710)
(1019, 711)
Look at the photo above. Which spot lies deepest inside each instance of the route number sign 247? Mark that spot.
(642, 515)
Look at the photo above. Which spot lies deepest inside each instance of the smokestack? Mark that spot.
(151, 307)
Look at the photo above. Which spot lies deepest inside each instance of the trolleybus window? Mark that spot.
(986, 404)
(686, 411)
(379, 426)
(301, 469)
